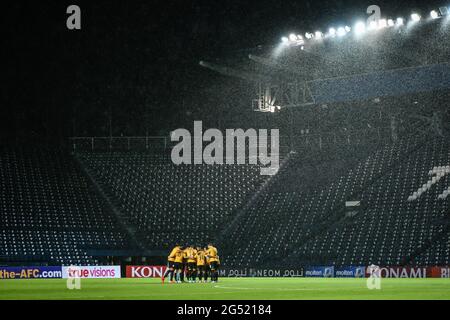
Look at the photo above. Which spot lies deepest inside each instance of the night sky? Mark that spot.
(139, 59)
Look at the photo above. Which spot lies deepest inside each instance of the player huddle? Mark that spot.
(194, 263)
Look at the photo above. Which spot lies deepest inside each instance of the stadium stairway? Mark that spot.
(131, 231)
(265, 226)
(253, 199)
(188, 204)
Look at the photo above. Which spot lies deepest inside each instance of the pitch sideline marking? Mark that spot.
(282, 289)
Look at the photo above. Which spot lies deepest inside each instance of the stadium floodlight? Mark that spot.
(332, 32)
(285, 40)
(400, 22)
(360, 27)
(390, 23)
(308, 35)
(382, 23)
(434, 14)
(373, 25)
(341, 32)
(415, 17)
(318, 35)
(292, 37)
(348, 29)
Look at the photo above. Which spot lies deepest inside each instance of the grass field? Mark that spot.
(229, 288)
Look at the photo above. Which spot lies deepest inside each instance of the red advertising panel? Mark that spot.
(439, 272)
(145, 271)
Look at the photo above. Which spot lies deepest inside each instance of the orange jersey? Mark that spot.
(179, 255)
(190, 254)
(172, 254)
(211, 252)
(201, 259)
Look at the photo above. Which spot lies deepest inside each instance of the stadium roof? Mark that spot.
(395, 59)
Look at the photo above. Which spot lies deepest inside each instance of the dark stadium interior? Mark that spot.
(85, 170)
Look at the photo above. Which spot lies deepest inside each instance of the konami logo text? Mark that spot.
(145, 271)
(234, 145)
(402, 272)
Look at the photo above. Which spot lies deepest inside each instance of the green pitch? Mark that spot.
(230, 288)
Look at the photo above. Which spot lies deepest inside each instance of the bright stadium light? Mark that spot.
(373, 25)
(341, 32)
(400, 22)
(332, 32)
(415, 17)
(360, 27)
(382, 23)
(434, 14)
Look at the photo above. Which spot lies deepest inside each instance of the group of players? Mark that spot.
(195, 264)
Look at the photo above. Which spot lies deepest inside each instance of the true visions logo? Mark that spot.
(91, 272)
(228, 148)
(437, 174)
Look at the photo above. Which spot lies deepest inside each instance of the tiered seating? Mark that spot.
(310, 226)
(437, 174)
(169, 203)
(437, 255)
(295, 200)
(50, 213)
(390, 227)
(48, 210)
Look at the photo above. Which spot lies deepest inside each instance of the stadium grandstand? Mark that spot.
(364, 178)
